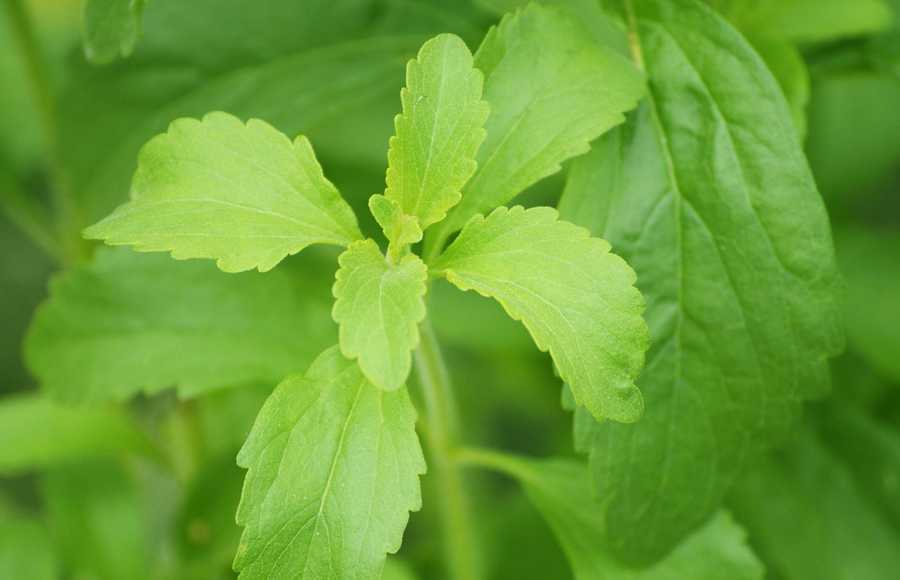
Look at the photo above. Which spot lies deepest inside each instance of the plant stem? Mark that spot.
(489, 459)
(68, 224)
(442, 438)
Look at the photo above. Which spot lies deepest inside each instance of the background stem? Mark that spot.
(442, 438)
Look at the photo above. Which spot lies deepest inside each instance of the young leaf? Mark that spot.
(333, 472)
(111, 28)
(242, 194)
(551, 91)
(561, 490)
(401, 229)
(36, 433)
(432, 154)
(707, 194)
(132, 322)
(379, 306)
(577, 299)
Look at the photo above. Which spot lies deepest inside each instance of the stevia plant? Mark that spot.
(618, 188)
(334, 452)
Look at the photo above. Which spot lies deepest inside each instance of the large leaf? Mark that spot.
(809, 519)
(334, 465)
(707, 194)
(577, 299)
(561, 490)
(130, 322)
(111, 28)
(432, 154)
(551, 91)
(242, 194)
(787, 66)
(379, 305)
(36, 433)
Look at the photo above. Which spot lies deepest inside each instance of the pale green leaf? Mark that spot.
(111, 28)
(333, 472)
(400, 229)
(130, 322)
(242, 194)
(706, 193)
(576, 298)
(561, 490)
(432, 154)
(552, 89)
(378, 306)
(36, 433)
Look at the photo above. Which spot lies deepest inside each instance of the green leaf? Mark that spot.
(26, 550)
(111, 28)
(333, 472)
(787, 66)
(869, 262)
(551, 91)
(400, 229)
(36, 433)
(577, 299)
(132, 322)
(706, 193)
(378, 306)
(808, 517)
(244, 195)
(561, 490)
(432, 154)
(97, 521)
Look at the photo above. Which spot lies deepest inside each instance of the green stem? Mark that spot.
(489, 459)
(68, 223)
(442, 438)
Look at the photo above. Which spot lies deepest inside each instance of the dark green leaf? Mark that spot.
(708, 196)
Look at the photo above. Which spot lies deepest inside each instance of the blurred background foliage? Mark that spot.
(148, 488)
